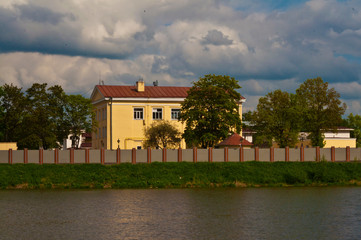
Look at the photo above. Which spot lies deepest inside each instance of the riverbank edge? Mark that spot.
(179, 175)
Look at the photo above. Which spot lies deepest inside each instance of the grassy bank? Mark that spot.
(179, 175)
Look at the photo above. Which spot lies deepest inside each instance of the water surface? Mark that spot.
(260, 213)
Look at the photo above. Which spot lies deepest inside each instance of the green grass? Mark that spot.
(179, 175)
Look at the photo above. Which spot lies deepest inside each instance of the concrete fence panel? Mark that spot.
(310, 154)
(142, 156)
(248, 154)
(157, 155)
(340, 154)
(94, 156)
(79, 156)
(264, 155)
(280, 155)
(202, 155)
(218, 155)
(172, 155)
(325, 154)
(33, 156)
(18, 156)
(355, 154)
(126, 156)
(48, 156)
(64, 156)
(233, 154)
(187, 155)
(4, 154)
(294, 155)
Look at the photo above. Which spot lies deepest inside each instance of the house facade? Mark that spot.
(124, 112)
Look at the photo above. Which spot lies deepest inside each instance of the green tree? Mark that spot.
(354, 121)
(162, 134)
(321, 109)
(38, 129)
(211, 110)
(277, 118)
(80, 117)
(12, 106)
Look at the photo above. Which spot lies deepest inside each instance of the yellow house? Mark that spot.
(124, 112)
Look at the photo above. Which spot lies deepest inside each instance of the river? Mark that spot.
(234, 213)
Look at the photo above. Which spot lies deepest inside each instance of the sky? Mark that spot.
(265, 45)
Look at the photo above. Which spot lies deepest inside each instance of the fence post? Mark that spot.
(149, 155)
(26, 158)
(210, 154)
(10, 156)
(164, 155)
(272, 154)
(317, 154)
(347, 154)
(134, 155)
(180, 154)
(241, 154)
(56, 156)
(194, 154)
(118, 156)
(256, 154)
(87, 160)
(71, 155)
(302, 154)
(287, 154)
(41, 156)
(102, 156)
(333, 157)
(226, 154)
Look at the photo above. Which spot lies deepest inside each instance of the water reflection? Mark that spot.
(265, 213)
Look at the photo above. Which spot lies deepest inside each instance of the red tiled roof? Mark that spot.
(150, 91)
(235, 140)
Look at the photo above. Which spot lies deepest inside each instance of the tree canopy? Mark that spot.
(354, 121)
(321, 109)
(277, 118)
(162, 134)
(41, 116)
(211, 110)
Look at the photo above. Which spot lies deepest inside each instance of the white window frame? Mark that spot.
(157, 113)
(137, 114)
(175, 112)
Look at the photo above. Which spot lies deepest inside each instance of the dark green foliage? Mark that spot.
(211, 111)
(162, 134)
(42, 117)
(277, 118)
(178, 175)
(321, 109)
(354, 121)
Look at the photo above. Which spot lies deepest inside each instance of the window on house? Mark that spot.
(175, 113)
(157, 113)
(138, 113)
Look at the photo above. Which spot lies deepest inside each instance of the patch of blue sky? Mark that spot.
(350, 58)
(265, 5)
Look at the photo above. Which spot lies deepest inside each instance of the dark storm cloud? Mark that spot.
(40, 14)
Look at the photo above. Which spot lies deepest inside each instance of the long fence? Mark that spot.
(118, 156)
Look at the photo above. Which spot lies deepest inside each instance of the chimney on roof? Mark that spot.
(155, 83)
(140, 85)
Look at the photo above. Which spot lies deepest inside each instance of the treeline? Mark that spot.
(41, 116)
(314, 108)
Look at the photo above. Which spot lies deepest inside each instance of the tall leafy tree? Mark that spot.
(211, 110)
(354, 121)
(12, 105)
(322, 109)
(38, 129)
(80, 117)
(162, 134)
(277, 118)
